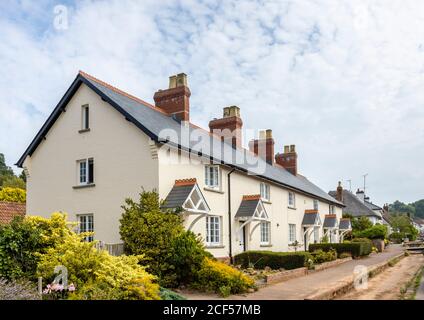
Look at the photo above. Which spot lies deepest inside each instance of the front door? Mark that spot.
(242, 238)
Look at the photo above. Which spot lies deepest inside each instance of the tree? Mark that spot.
(361, 224)
(400, 207)
(13, 195)
(8, 177)
(419, 208)
(401, 224)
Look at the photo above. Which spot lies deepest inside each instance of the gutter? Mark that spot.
(230, 246)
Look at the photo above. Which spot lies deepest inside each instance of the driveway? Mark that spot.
(301, 288)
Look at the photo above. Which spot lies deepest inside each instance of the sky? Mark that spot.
(342, 80)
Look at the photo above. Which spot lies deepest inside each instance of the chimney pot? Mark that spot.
(339, 192)
(176, 99)
(229, 126)
(264, 146)
(288, 159)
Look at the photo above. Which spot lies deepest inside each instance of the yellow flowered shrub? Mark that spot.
(97, 274)
(12, 194)
(222, 278)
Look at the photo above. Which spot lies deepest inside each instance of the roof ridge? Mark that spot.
(117, 90)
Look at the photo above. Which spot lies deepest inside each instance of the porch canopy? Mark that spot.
(344, 227)
(310, 220)
(185, 195)
(251, 209)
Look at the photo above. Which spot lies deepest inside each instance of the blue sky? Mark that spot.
(343, 80)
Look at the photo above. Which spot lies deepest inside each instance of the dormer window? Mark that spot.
(85, 118)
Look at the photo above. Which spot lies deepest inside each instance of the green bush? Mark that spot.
(24, 239)
(170, 252)
(396, 237)
(186, 256)
(147, 230)
(320, 256)
(377, 231)
(344, 255)
(221, 278)
(356, 249)
(273, 260)
(166, 294)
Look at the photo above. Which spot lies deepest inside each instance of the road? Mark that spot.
(301, 288)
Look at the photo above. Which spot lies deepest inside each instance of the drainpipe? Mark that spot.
(229, 215)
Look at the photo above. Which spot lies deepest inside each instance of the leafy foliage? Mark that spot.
(171, 253)
(400, 207)
(13, 195)
(320, 256)
(222, 278)
(356, 249)
(360, 224)
(97, 274)
(377, 231)
(402, 225)
(8, 177)
(273, 260)
(24, 239)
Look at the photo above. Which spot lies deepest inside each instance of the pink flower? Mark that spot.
(71, 287)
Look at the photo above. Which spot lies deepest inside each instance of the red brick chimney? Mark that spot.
(176, 100)
(229, 126)
(339, 192)
(288, 159)
(264, 146)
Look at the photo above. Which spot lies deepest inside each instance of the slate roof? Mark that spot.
(372, 206)
(152, 121)
(247, 208)
(177, 196)
(9, 210)
(345, 224)
(330, 221)
(354, 206)
(309, 218)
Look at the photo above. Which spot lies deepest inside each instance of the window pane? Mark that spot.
(83, 172)
(90, 170)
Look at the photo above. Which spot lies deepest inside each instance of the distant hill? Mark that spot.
(415, 209)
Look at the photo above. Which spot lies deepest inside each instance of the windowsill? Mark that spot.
(266, 201)
(293, 208)
(212, 246)
(266, 245)
(82, 186)
(213, 190)
(83, 130)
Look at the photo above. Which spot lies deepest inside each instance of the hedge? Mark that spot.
(273, 260)
(357, 249)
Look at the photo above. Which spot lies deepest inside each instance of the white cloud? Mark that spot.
(341, 79)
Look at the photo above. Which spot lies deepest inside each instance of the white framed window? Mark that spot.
(292, 233)
(332, 209)
(316, 204)
(265, 233)
(212, 176)
(292, 199)
(85, 117)
(213, 230)
(316, 234)
(85, 169)
(86, 224)
(265, 191)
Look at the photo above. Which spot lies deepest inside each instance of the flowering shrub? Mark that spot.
(320, 256)
(13, 194)
(97, 274)
(221, 278)
(56, 291)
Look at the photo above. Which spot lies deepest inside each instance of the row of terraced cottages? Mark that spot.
(101, 145)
